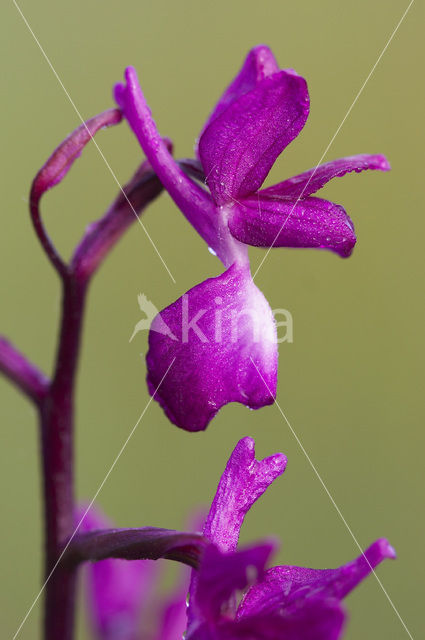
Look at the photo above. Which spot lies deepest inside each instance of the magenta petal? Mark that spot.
(313, 619)
(222, 574)
(288, 222)
(284, 586)
(117, 589)
(259, 63)
(216, 338)
(304, 184)
(193, 201)
(244, 480)
(239, 147)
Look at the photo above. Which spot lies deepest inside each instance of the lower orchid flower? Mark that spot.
(280, 603)
(214, 361)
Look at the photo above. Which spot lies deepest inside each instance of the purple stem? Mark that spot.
(22, 373)
(55, 399)
(57, 431)
(57, 411)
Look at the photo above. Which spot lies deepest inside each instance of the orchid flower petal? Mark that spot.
(117, 589)
(313, 619)
(288, 222)
(217, 337)
(239, 147)
(284, 586)
(259, 64)
(194, 201)
(222, 574)
(304, 184)
(244, 480)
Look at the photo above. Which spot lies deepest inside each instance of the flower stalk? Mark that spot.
(24, 374)
(55, 398)
(57, 436)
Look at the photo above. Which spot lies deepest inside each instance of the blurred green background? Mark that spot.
(350, 383)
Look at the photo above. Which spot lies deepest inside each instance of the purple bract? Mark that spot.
(116, 588)
(259, 114)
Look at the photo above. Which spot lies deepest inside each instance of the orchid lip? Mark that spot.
(225, 334)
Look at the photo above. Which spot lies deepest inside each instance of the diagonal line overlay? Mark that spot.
(255, 274)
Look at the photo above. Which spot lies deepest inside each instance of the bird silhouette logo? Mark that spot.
(151, 313)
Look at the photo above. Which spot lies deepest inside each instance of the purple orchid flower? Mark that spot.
(284, 602)
(217, 354)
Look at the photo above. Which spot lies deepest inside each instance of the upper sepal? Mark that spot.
(239, 147)
(259, 63)
(220, 335)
